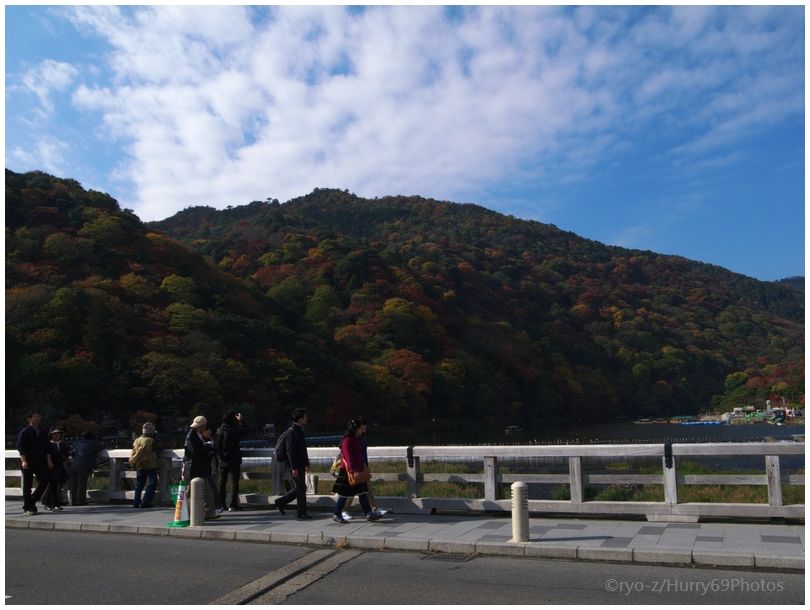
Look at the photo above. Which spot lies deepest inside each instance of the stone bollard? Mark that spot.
(197, 506)
(520, 512)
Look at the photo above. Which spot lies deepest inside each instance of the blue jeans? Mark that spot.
(145, 477)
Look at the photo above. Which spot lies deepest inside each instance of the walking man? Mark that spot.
(296, 448)
(33, 444)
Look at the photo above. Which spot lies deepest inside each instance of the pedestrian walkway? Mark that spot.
(760, 545)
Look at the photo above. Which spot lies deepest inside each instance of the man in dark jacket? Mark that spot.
(33, 444)
(298, 460)
(84, 460)
(229, 452)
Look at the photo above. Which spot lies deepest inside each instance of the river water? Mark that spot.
(611, 432)
(621, 432)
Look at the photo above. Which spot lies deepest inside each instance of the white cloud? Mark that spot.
(46, 153)
(220, 107)
(46, 78)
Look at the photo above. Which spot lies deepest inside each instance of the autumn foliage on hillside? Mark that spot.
(405, 309)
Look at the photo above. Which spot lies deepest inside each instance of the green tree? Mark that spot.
(180, 289)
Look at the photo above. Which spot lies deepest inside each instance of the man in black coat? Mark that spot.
(33, 444)
(298, 460)
(229, 452)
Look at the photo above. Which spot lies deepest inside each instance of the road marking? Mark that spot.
(303, 580)
(251, 590)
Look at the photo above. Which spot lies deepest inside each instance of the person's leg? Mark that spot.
(43, 475)
(365, 504)
(224, 469)
(340, 504)
(214, 491)
(151, 486)
(57, 494)
(73, 481)
(27, 484)
(288, 497)
(82, 477)
(235, 476)
(371, 515)
(46, 497)
(140, 482)
(210, 506)
(301, 492)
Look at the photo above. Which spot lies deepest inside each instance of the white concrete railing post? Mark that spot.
(414, 476)
(164, 477)
(197, 506)
(115, 474)
(520, 512)
(575, 479)
(491, 478)
(670, 481)
(774, 476)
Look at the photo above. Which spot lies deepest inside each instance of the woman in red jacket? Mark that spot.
(353, 456)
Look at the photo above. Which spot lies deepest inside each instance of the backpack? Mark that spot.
(281, 446)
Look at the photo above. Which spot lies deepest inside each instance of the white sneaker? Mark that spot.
(381, 511)
(346, 516)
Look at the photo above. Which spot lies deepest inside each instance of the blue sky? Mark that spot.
(673, 129)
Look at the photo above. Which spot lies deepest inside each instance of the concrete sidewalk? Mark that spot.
(760, 545)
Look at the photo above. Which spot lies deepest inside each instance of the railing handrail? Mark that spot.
(518, 451)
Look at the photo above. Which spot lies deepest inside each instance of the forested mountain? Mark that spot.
(405, 309)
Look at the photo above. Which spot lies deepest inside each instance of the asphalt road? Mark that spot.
(79, 568)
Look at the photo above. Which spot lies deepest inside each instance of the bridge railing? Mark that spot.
(490, 458)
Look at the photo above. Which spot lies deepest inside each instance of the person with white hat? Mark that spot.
(60, 457)
(197, 463)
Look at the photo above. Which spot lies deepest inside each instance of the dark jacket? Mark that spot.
(34, 444)
(85, 452)
(197, 456)
(59, 456)
(296, 445)
(227, 442)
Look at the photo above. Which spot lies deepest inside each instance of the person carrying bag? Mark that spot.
(354, 474)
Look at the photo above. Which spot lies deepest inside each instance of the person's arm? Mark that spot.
(350, 456)
(242, 426)
(49, 454)
(22, 447)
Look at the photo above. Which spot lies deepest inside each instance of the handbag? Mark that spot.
(334, 469)
(360, 477)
